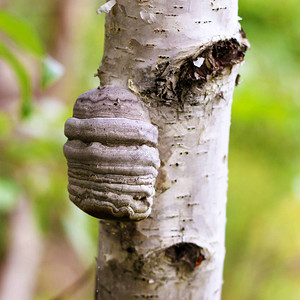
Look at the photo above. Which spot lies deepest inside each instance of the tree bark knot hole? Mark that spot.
(175, 79)
(188, 254)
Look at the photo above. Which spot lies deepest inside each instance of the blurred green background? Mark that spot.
(263, 240)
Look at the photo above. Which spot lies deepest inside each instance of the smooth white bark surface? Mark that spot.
(147, 45)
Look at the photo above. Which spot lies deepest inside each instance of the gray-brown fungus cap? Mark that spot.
(112, 155)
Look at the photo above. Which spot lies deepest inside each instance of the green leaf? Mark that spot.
(21, 33)
(51, 71)
(22, 76)
(6, 125)
(9, 193)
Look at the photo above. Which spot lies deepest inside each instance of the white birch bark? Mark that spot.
(156, 49)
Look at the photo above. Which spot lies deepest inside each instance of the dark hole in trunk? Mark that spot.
(218, 56)
(185, 253)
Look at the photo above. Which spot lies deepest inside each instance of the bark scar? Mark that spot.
(175, 79)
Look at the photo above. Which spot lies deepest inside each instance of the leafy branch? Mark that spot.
(19, 33)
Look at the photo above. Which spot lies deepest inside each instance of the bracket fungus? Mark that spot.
(112, 155)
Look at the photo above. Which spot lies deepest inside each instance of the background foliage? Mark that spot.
(263, 244)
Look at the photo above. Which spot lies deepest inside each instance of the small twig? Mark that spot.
(76, 285)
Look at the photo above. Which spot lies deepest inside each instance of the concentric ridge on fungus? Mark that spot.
(112, 155)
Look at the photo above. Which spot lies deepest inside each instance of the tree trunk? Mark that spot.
(181, 58)
(21, 268)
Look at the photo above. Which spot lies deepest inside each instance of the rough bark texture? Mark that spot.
(181, 58)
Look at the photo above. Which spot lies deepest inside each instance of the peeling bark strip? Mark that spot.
(181, 58)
